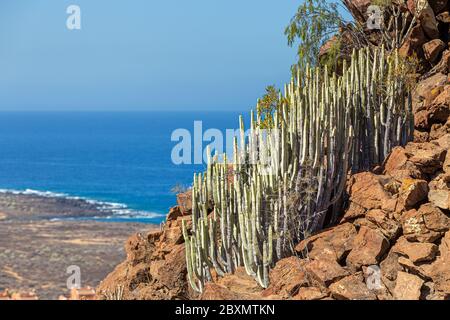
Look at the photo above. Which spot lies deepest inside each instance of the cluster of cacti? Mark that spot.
(286, 182)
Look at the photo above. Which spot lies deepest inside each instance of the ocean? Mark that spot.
(119, 160)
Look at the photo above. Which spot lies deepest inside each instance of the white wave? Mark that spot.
(117, 209)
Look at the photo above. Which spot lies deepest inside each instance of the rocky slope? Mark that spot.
(393, 241)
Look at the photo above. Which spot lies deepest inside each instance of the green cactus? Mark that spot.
(287, 181)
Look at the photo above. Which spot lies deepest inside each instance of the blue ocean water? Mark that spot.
(120, 159)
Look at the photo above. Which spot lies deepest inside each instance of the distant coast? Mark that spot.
(43, 235)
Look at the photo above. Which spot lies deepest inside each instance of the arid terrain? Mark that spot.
(36, 250)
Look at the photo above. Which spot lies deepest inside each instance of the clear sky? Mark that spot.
(142, 54)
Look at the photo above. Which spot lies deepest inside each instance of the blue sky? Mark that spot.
(142, 54)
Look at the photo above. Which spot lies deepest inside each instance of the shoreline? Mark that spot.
(42, 236)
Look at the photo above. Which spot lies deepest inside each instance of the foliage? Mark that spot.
(267, 105)
(313, 24)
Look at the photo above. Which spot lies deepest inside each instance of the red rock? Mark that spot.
(413, 42)
(367, 191)
(444, 17)
(310, 293)
(368, 248)
(352, 288)
(358, 9)
(286, 278)
(174, 213)
(426, 156)
(184, 201)
(416, 251)
(215, 292)
(426, 86)
(353, 212)
(398, 166)
(325, 272)
(425, 225)
(432, 49)
(408, 287)
(389, 270)
(444, 65)
(333, 243)
(412, 192)
(427, 19)
(389, 227)
(440, 198)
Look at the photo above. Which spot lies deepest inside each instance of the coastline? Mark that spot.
(43, 235)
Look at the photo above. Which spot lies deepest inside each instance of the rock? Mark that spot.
(444, 141)
(444, 17)
(398, 166)
(426, 86)
(444, 65)
(352, 288)
(174, 214)
(413, 268)
(237, 286)
(325, 272)
(439, 270)
(367, 191)
(412, 192)
(184, 201)
(286, 278)
(368, 248)
(408, 287)
(413, 42)
(139, 249)
(432, 49)
(310, 293)
(426, 156)
(358, 9)
(425, 225)
(215, 292)
(416, 251)
(389, 270)
(440, 198)
(446, 165)
(390, 228)
(333, 243)
(353, 212)
(429, 292)
(425, 15)
(438, 5)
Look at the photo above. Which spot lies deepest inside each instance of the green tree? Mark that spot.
(267, 105)
(315, 22)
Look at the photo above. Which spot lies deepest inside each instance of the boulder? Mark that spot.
(398, 166)
(408, 287)
(366, 190)
(432, 49)
(184, 201)
(325, 272)
(380, 219)
(416, 251)
(286, 278)
(368, 248)
(334, 243)
(413, 191)
(427, 224)
(440, 198)
(426, 156)
(413, 42)
(310, 293)
(427, 19)
(358, 9)
(352, 288)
